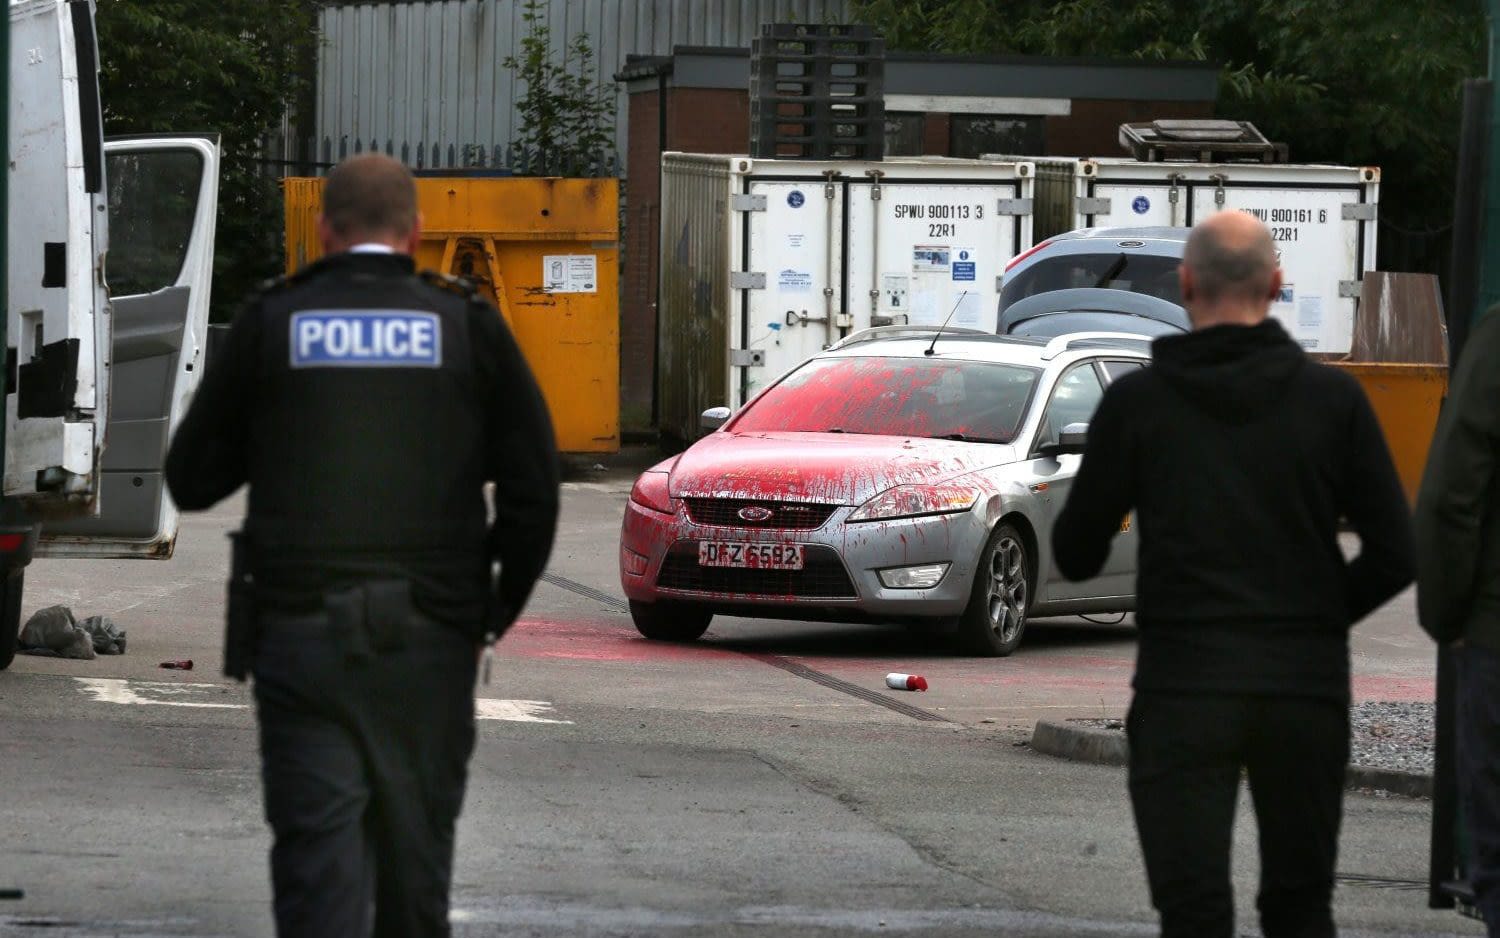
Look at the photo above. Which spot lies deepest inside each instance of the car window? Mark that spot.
(1073, 401)
(890, 396)
(1150, 274)
(1118, 369)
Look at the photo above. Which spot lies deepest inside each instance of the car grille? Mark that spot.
(786, 516)
(822, 576)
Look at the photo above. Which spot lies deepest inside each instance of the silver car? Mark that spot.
(1141, 261)
(900, 476)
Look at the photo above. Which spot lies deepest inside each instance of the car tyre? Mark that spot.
(1004, 582)
(669, 622)
(10, 616)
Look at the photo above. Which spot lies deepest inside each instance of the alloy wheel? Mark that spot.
(1007, 588)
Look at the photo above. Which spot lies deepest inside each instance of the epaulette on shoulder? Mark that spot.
(460, 285)
(286, 280)
(272, 284)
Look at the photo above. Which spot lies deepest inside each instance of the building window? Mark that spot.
(974, 135)
(903, 134)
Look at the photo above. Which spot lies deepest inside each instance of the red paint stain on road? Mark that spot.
(603, 641)
(1398, 689)
(612, 641)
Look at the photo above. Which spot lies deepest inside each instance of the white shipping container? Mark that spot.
(1321, 216)
(773, 260)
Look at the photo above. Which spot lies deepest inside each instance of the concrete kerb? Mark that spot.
(1109, 747)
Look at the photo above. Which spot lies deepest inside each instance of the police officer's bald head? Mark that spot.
(369, 198)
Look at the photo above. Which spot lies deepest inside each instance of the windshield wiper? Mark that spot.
(965, 438)
(1111, 273)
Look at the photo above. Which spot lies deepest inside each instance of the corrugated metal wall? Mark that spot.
(429, 75)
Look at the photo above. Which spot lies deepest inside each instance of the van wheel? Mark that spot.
(669, 622)
(11, 588)
(995, 619)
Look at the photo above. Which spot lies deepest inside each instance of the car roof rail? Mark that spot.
(1073, 341)
(904, 332)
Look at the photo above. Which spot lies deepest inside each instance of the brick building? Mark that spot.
(697, 100)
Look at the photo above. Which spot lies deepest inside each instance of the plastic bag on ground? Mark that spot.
(52, 632)
(108, 638)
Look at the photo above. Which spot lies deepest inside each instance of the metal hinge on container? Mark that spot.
(1173, 181)
(1358, 211)
(747, 357)
(1013, 207)
(745, 202)
(1093, 205)
(1219, 180)
(747, 280)
(1350, 289)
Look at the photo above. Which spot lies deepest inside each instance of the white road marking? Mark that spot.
(120, 691)
(173, 694)
(607, 488)
(515, 711)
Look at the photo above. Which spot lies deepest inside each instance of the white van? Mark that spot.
(109, 250)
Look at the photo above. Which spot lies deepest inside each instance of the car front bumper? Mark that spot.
(842, 572)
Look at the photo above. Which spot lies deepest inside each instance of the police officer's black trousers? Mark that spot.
(1478, 728)
(1186, 756)
(364, 762)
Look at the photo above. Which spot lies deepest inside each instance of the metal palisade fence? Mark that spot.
(284, 154)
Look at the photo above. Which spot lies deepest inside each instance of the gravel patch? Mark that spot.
(1099, 724)
(1392, 736)
(1381, 735)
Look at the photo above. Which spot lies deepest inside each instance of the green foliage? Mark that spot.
(567, 118)
(233, 67)
(1369, 83)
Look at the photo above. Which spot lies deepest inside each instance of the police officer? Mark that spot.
(366, 406)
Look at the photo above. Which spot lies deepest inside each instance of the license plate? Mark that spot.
(750, 556)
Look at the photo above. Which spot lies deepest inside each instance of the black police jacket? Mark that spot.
(367, 406)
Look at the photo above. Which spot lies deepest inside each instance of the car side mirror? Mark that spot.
(714, 418)
(1072, 439)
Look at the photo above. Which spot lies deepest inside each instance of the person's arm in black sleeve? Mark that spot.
(208, 460)
(1375, 505)
(1454, 499)
(522, 462)
(1102, 494)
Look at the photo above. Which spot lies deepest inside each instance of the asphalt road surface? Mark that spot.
(762, 781)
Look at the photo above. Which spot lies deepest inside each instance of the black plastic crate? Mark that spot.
(817, 92)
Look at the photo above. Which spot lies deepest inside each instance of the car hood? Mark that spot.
(823, 467)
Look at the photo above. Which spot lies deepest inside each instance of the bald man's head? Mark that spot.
(369, 197)
(1229, 270)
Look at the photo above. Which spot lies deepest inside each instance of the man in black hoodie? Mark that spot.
(1239, 456)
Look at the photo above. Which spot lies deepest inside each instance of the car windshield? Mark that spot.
(1150, 274)
(960, 400)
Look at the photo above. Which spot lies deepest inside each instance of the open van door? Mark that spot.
(57, 378)
(163, 193)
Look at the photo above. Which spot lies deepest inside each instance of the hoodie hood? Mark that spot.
(1233, 373)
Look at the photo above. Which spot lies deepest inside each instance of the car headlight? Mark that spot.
(910, 501)
(653, 491)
